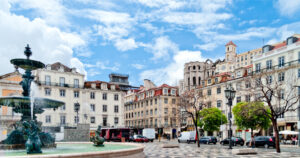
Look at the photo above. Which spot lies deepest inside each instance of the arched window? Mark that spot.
(188, 81)
(194, 81)
(194, 67)
(199, 80)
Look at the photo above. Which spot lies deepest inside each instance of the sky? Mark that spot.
(146, 39)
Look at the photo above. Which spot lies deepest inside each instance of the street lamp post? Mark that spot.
(77, 107)
(230, 94)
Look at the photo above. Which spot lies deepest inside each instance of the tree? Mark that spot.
(211, 119)
(191, 103)
(278, 92)
(249, 115)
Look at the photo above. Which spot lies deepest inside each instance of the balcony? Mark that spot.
(59, 84)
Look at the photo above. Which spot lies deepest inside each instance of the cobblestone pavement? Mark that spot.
(155, 150)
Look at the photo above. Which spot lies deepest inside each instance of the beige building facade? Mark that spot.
(153, 107)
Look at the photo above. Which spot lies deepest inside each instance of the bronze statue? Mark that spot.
(97, 139)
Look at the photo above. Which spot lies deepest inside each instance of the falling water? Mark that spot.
(33, 94)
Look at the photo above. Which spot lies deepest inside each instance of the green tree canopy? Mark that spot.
(250, 115)
(211, 119)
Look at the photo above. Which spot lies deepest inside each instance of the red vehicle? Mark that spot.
(139, 138)
(115, 134)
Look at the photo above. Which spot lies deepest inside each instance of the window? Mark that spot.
(76, 83)
(282, 94)
(173, 92)
(116, 97)
(116, 108)
(155, 111)
(104, 121)
(62, 81)
(62, 93)
(92, 95)
(48, 91)
(142, 113)
(298, 73)
(247, 85)
(76, 119)
(63, 107)
(269, 79)
(173, 101)
(104, 96)
(165, 91)
(216, 80)
(151, 112)
(247, 98)
(209, 92)
(238, 99)
(242, 58)
(257, 67)
(62, 120)
(246, 57)
(209, 81)
(76, 94)
(116, 120)
(92, 107)
(166, 100)
(269, 64)
(219, 103)
(209, 104)
(166, 110)
(93, 119)
(48, 119)
(151, 102)
(166, 121)
(146, 112)
(104, 108)
(281, 76)
(281, 61)
(219, 90)
(48, 80)
(298, 57)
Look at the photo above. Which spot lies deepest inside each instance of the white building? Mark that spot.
(100, 102)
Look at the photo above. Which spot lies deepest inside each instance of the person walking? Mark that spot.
(252, 142)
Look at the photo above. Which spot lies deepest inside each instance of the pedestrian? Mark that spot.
(252, 142)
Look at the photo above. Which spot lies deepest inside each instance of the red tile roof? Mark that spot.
(230, 43)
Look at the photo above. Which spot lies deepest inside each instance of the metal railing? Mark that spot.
(59, 84)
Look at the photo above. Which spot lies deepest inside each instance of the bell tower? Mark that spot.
(230, 49)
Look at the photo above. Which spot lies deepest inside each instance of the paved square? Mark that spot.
(155, 150)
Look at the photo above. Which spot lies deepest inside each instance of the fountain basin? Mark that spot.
(83, 149)
(22, 104)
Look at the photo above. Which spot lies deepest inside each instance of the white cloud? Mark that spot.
(288, 8)
(103, 65)
(126, 44)
(170, 4)
(49, 44)
(162, 47)
(173, 72)
(138, 66)
(195, 18)
(52, 11)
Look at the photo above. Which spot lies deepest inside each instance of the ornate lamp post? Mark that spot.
(230, 94)
(77, 108)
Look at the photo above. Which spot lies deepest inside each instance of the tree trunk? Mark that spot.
(274, 122)
(198, 136)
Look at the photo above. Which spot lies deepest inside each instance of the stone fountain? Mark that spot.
(27, 132)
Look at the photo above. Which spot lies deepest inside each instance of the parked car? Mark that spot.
(187, 137)
(265, 141)
(235, 141)
(149, 133)
(140, 138)
(208, 140)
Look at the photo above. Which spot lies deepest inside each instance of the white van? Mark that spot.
(187, 137)
(149, 133)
